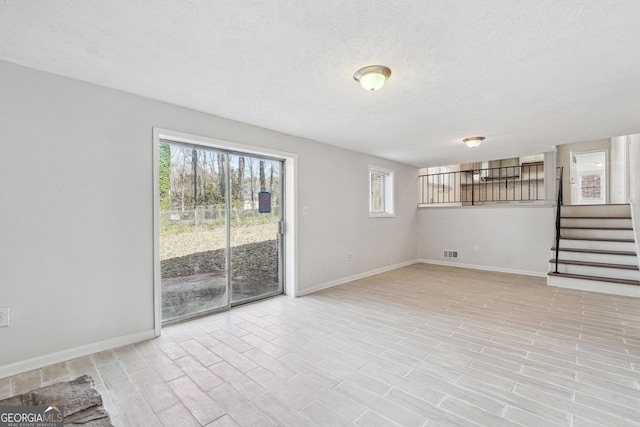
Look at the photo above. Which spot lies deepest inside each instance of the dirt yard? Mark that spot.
(193, 268)
(182, 244)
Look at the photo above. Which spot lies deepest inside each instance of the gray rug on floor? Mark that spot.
(81, 401)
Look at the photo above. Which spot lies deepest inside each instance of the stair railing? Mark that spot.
(558, 217)
(471, 187)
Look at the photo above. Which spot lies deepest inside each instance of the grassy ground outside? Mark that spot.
(193, 263)
(208, 239)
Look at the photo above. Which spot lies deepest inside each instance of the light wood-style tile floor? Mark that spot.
(421, 345)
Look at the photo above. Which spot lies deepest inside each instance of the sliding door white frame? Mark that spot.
(290, 164)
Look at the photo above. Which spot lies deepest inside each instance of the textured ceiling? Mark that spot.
(525, 74)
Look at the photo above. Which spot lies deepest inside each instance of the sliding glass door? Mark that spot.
(220, 220)
(256, 229)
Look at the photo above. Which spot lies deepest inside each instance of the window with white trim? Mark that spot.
(380, 191)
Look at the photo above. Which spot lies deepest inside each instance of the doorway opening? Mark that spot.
(220, 228)
(589, 177)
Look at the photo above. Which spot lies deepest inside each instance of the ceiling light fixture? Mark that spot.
(473, 141)
(372, 77)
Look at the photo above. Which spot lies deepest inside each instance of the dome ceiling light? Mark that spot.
(473, 141)
(372, 77)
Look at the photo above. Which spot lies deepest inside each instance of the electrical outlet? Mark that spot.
(350, 256)
(4, 317)
(475, 248)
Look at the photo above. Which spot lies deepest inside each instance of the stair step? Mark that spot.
(595, 264)
(595, 255)
(596, 251)
(597, 232)
(623, 210)
(596, 217)
(594, 278)
(595, 228)
(596, 269)
(597, 244)
(597, 222)
(598, 239)
(586, 255)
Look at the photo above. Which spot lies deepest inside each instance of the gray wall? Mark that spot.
(619, 170)
(634, 184)
(76, 260)
(634, 168)
(509, 238)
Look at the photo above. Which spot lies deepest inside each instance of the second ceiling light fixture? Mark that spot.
(372, 77)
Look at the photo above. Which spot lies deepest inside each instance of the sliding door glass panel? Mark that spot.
(254, 227)
(193, 231)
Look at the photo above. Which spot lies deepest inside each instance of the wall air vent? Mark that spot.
(449, 254)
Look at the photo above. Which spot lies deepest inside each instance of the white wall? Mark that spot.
(76, 260)
(511, 238)
(634, 184)
(619, 170)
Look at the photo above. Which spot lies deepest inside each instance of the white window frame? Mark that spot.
(291, 191)
(387, 191)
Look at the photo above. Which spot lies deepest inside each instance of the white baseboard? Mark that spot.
(485, 267)
(72, 353)
(594, 286)
(347, 279)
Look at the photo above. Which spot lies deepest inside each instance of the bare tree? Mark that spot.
(252, 178)
(241, 179)
(194, 177)
(222, 174)
(263, 186)
(212, 162)
(181, 177)
(271, 177)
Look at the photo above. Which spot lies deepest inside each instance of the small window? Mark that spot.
(380, 191)
(591, 186)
